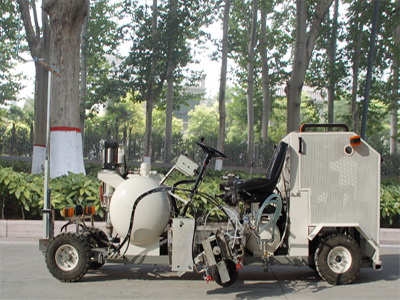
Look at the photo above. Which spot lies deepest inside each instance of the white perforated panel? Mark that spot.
(343, 188)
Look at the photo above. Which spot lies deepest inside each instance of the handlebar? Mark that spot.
(305, 126)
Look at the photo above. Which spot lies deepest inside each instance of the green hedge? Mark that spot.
(21, 194)
(390, 202)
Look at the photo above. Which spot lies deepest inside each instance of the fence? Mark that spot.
(236, 153)
(133, 146)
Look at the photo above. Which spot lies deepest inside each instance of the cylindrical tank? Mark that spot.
(151, 215)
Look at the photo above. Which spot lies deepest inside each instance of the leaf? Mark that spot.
(27, 194)
(17, 193)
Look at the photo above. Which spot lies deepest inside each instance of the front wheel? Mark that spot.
(232, 271)
(68, 256)
(338, 259)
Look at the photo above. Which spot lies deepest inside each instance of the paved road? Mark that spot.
(23, 275)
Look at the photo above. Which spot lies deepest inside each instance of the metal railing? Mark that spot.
(236, 153)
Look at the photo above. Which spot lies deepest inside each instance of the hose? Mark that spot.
(272, 199)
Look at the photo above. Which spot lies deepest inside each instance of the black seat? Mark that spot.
(258, 189)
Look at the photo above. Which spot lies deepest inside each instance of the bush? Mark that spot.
(390, 203)
(17, 165)
(21, 194)
(22, 191)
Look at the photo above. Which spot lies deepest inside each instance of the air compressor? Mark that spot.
(317, 206)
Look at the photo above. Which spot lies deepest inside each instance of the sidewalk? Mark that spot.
(34, 229)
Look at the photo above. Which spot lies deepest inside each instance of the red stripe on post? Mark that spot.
(38, 145)
(65, 128)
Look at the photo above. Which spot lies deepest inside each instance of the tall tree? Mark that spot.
(266, 108)
(66, 19)
(332, 63)
(394, 133)
(222, 84)
(356, 29)
(302, 54)
(38, 42)
(100, 48)
(150, 95)
(171, 23)
(371, 59)
(250, 84)
(9, 85)
(158, 59)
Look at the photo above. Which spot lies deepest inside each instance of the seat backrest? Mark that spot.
(276, 164)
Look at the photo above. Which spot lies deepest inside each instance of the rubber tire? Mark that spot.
(321, 257)
(96, 240)
(82, 248)
(233, 273)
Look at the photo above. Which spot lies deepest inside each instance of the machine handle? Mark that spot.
(305, 126)
(300, 145)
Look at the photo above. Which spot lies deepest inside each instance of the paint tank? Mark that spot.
(151, 215)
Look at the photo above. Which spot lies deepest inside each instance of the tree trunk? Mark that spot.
(303, 52)
(150, 95)
(222, 85)
(250, 86)
(371, 58)
(168, 115)
(39, 48)
(66, 19)
(265, 79)
(355, 67)
(170, 85)
(395, 100)
(332, 61)
(83, 82)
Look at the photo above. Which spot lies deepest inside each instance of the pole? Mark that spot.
(47, 232)
(48, 229)
(369, 69)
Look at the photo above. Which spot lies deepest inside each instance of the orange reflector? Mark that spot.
(90, 210)
(355, 140)
(101, 193)
(67, 212)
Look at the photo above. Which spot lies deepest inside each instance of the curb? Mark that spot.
(34, 229)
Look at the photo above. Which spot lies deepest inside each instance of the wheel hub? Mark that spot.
(66, 257)
(339, 260)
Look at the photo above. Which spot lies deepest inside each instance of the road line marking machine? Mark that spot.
(317, 206)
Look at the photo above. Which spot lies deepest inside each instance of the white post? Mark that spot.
(47, 232)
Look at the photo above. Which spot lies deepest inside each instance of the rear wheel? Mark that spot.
(68, 256)
(338, 259)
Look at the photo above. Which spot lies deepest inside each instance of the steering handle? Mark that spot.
(211, 150)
